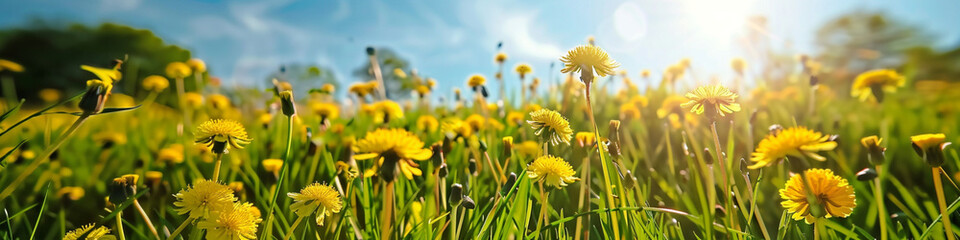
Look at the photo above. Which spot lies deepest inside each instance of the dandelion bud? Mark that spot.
(614, 145)
(153, 179)
(456, 195)
(94, 98)
(775, 129)
(483, 146)
(273, 167)
(371, 51)
(286, 103)
(872, 143)
(468, 202)
(473, 167)
(511, 180)
(483, 91)
(68, 195)
(629, 181)
(866, 174)
(437, 157)
(930, 147)
(707, 157)
(507, 147)
(122, 188)
(442, 170)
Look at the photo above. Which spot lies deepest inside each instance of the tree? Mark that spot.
(52, 55)
(861, 41)
(305, 77)
(389, 60)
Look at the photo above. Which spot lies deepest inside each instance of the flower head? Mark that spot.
(554, 171)
(738, 65)
(7, 65)
(89, 231)
(325, 110)
(589, 59)
(523, 69)
(500, 58)
(197, 65)
(316, 198)
(384, 111)
(178, 70)
(930, 146)
(476, 80)
(550, 125)
(712, 101)
(392, 149)
(833, 194)
(875, 83)
(203, 199)
(155, 83)
(238, 222)
(427, 123)
(218, 133)
(794, 141)
(671, 105)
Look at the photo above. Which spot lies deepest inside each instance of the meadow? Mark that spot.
(598, 152)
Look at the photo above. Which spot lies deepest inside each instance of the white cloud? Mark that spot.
(119, 5)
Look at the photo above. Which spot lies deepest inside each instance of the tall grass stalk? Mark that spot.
(937, 183)
(43, 157)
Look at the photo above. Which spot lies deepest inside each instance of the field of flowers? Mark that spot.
(567, 158)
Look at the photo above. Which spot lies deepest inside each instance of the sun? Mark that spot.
(718, 18)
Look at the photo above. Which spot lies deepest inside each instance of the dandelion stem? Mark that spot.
(119, 226)
(216, 167)
(587, 77)
(146, 219)
(387, 215)
(723, 173)
(878, 198)
(180, 228)
(544, 203)
(816, 228)
(943, 204)
(283, 173)
(43, 157)
(293, 227)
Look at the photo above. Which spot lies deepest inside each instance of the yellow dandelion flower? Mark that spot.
(7, 65)
(671, 105)
(272, 165)
(109, 138)
(399, 73)
(712, 101)
(155, 83)
(203, 199)
(794, 141)
(50, 95)
(72, 193)
(197, 65)
(629, 112)
(585, 139)
(427, 123)
(550, 125)
(384, 111)
(875, 83)
(325, 110)
(645, 73)
(392, 149)
(475, 121)
(327, 88)
(218, 101)
(500, 58)
(171, 155)
(553, 171)
(640, 101)
(90, 232)
(515, 118)
(458, 128)
(238, 222)
(476, 80)
(738, 65)
(360, 89)
(321, 199)
(523, 69)
(178, 70)
(422, 90)
(528, 148)
(833, 193)
(194, 100)
(218, 133)
(107, 75)
(589, 59)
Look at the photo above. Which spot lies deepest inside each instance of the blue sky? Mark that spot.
(242, 41)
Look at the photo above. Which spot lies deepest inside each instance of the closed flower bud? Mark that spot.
(437, 156)
(456, 195)
(94, 98)
(507, 147)
(866, 174)
(473, 167)
(442, 170)
(286, 103)
(707, 157)
(468, 202)
(122, 188)
(371, 51)
(483, 146)
(629, 181)
(511, 180)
